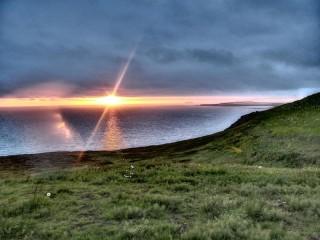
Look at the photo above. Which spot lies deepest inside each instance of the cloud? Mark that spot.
(300, 58)
(50, 89)
(164, 55)
(183, 47)
(213, 56)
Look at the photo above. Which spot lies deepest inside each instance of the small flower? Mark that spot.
(259, 166)
(132, 167)
(48, 194)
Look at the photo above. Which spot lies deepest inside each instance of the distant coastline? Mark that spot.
(241, 104)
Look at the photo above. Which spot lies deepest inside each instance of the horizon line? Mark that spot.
(15, 102)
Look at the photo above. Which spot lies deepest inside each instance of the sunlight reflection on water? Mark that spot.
(113, 133)
(34, 131)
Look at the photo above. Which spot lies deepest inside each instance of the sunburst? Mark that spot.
(110, 100)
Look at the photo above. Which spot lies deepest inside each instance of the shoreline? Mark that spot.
(46, 160)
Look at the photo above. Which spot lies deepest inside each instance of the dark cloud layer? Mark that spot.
(183, 47)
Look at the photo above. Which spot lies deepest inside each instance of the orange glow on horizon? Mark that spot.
(118, 101)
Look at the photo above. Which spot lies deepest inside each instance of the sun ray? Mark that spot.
(112, 99)
(123, 72)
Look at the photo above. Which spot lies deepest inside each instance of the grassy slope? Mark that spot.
(258, 179)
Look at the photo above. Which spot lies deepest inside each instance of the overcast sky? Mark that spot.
(183, 47)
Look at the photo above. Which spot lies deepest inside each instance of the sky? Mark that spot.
(207, 47)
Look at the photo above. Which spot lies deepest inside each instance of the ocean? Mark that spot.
(24, 131)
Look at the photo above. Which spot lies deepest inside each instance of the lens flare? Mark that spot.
(110, 100)
(123, 72)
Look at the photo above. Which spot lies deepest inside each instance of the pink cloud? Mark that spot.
(49, 89)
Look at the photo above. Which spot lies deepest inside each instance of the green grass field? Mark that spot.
(259, 179)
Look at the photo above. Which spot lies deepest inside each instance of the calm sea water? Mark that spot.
(39, 130)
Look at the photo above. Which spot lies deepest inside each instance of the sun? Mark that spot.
(110, 100)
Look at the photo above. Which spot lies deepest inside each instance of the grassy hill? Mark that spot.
(258, 179)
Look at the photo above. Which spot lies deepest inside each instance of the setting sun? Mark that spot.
(110, 100)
